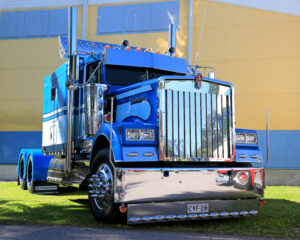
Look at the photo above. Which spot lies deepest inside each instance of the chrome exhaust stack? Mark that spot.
(172, 39)
(72, 85)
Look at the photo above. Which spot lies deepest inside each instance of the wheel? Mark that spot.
(100, 189)
(21, 176)
(29, 175)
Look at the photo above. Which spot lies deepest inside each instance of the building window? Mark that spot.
(137, 18)
(33, 24)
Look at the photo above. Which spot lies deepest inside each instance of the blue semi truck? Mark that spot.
(151, 138)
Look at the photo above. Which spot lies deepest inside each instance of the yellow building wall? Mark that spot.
(23, 65)
(259, 52)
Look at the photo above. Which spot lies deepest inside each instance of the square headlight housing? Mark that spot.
(139, 134)
(247, 138)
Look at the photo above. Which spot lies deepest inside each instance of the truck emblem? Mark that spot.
(199, 78)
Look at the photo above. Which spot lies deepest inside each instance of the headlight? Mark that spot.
(139, 134)
(240, 138)
(132, 134)
(251, 138)
(248, 138)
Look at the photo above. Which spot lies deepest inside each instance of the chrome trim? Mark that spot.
(191, 135)
(94, 95)
(253, 212)
(242, 156)
(150, 184)
(213, 215)
(244, 213)
(159, 217)
(224, 214)
(146, 219)
(148, 154)
(184, 217)
(254, 156)
(132, 154)
(171, 217)
(234, 214)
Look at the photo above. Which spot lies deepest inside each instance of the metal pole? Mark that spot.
(190, 54)
(172, 38)
(111, 129)
(72, 77)
(267, 133)
(85, 5)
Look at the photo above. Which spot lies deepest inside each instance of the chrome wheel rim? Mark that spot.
(101, 186)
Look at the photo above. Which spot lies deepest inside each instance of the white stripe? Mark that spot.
(56, 111)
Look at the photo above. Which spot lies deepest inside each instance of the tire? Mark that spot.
(103, 207)
(29, 175)
(22, 175)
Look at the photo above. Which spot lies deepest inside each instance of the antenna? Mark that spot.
(201, 33)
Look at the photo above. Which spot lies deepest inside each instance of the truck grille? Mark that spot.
(196, 125)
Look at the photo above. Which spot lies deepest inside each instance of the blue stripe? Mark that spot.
(284, 148)
(12, 142)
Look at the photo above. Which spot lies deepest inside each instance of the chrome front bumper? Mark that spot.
(177, 184)
(159, 195)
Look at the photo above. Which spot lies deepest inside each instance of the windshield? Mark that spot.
(124, 75)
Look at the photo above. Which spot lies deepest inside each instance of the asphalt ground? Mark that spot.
(42, 232)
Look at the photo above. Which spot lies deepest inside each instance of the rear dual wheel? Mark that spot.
(29, 175)
(22, 175)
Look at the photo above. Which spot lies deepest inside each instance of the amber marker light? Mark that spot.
(138, 49)
(158, 52)
(127, 48)
(107, 46)
(175, 55)
(147, 50)
(262, 202)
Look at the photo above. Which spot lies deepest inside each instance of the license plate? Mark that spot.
(197, 208)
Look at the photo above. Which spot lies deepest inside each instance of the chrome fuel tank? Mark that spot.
(94, 107)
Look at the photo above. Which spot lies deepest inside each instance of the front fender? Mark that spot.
(104, 130)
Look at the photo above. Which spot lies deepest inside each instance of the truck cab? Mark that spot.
(151, 138)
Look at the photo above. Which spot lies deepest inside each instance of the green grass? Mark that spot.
(279, 217)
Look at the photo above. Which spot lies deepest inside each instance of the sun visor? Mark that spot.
(123, 57)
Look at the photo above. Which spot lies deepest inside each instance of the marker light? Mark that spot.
(123, 209)
(157, 52)
(175, 55)
(242, 177)
(138, 49)
(107, 46)
(147, 50)
(127, 48)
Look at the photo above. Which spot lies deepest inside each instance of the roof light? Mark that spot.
(147, 50)
(158, 52)
(138, 49)
(127, 48)
(107, 46)
(175, 55)
(125, 43)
